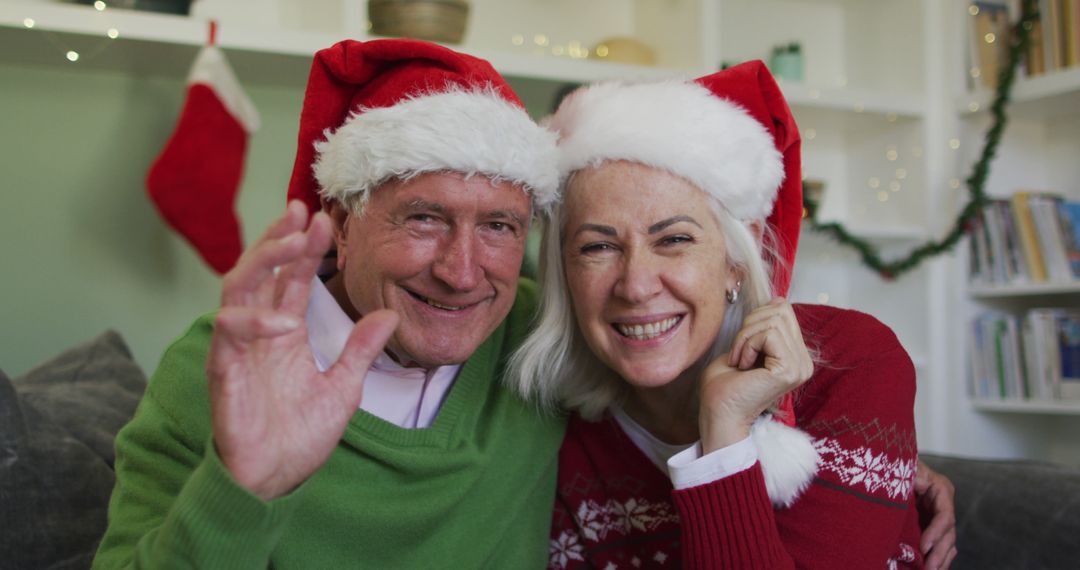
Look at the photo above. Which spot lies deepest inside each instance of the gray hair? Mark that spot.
(554, 366)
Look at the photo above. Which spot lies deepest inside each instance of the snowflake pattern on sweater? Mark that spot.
(615, 509)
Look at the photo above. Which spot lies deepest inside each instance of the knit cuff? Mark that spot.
(216, 523)
(729, 523)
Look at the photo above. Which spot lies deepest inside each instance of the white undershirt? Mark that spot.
(684, 464)
(407, 397)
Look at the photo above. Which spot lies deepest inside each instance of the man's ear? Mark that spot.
(339, 217)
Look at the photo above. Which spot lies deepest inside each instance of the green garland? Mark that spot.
(975, 182)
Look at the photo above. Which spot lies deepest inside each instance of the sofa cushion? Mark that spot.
(1013, 514)
(57, 423)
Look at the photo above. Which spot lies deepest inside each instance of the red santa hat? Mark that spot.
(396, 108)
(732, 135)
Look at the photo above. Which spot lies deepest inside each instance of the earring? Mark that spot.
(733, 293)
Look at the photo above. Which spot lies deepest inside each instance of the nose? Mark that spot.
(457, 262)
(640, 278)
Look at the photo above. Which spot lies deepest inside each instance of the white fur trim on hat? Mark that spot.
(212, 69)
(471, 132)
(788, 459)
(678, 126)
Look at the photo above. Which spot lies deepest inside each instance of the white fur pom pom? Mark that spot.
(788, 459)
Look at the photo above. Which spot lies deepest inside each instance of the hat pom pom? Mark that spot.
(788, 459)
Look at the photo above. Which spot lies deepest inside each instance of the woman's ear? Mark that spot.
(757, 229)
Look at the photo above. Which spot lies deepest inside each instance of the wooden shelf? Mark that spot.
(1058, 407)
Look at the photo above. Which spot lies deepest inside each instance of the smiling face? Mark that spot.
(444, 253)
(645, 264)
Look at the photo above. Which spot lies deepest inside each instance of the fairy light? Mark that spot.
(954, 183)
(557, 50)
(973, 106)
(113, 33)
(975, 72)
(874, 182)
(901, 173)
(954, 143)
(540, 40)
(100, 6)
(28, 23)
(602, 50)
(973, 10)
(989, 37)
(823, 298)
(810, 134)
(72, 56)
(517, 39)
(891, 155)
(895, 186)
(883, 196)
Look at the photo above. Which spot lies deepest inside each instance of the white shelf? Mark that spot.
(1024, 290)
(1060, 407)
(885, 234)
(1044, 97)
(164, 44)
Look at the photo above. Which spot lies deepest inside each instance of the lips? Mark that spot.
(438, 305)
(647, 331)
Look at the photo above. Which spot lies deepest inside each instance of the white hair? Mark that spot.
(555, 367)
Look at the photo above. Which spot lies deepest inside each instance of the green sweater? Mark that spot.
(475, 490)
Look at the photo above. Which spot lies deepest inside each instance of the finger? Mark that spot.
(941, 555)
(292, 220)
(776, 317)
(949, 558)
(294, 280)
(249, 282)
(236, 325)
(366, 341)
(764, 338)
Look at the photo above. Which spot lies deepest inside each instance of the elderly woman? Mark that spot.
(704, 432)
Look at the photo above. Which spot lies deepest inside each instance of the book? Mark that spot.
(1044, 211)
(1068, 337)
(1069, 212)
(1025, 227)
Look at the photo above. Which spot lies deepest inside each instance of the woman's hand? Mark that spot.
(767, 360)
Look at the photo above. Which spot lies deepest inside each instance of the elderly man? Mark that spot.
(248, 449)
(429, 172)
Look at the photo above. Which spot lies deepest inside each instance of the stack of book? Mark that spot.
(1054, 38)
(1032, 237)
(1034, 357)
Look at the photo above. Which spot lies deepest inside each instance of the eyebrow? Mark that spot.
(663, 224)
(424, 205)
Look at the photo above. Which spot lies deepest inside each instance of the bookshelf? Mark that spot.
(1038, 153)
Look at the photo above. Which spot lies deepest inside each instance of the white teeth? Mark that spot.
(648, 330)
(443, 307)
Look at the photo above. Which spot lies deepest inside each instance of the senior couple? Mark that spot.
(402, 403)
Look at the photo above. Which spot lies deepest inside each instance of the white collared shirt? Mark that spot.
(684, 464)
(407, 397)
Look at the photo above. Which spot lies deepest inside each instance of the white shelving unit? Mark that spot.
(1038, 152)
(874, 106)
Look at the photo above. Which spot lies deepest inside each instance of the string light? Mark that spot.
(72, 56)
(975, 72)
(601, 50)
(874, 182)
(556, 50)
(973, 106)
(540, 40)
(823, 298)
(517, 39)
(973, 10)
(954, 143)
(883, 196)
(895, 186)
(989, 37)
(954, 183)
(100, 6)
(890, 154)
(113, 33)
(901, 173)
(28, 23)
(810, 134)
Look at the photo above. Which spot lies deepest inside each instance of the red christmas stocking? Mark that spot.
(195, 180)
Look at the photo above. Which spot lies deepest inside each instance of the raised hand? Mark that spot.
(767, 360)
(277, 418)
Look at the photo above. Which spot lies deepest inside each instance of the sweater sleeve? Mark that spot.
(174, 504)
(859, 512)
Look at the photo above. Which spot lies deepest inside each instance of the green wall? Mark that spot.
(83, 249)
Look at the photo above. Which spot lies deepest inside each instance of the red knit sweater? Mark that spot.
(615, 509)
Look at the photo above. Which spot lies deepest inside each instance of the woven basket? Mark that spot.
(434, 20)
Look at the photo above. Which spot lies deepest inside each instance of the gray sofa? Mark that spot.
(58, 421)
